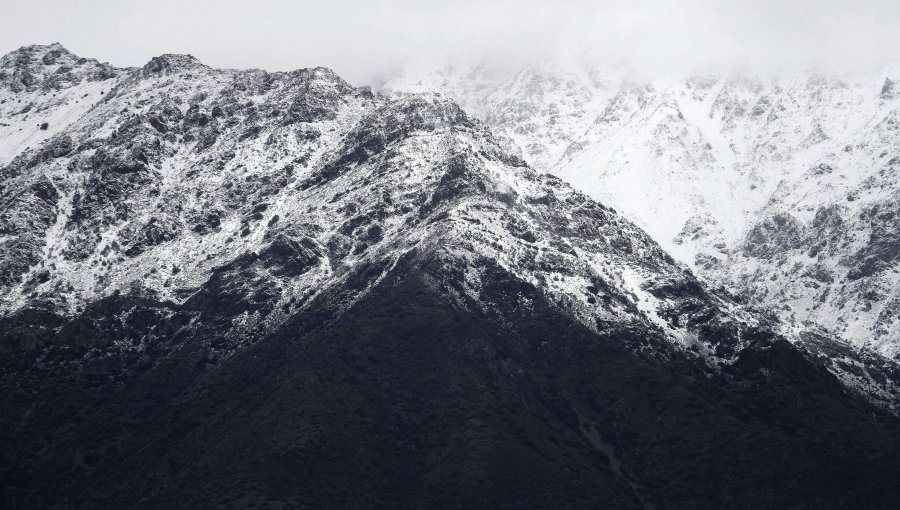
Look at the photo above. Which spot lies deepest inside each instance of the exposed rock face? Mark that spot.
(170, 64)
(42, 90)
(49, 68)
(27, 214)
(838, 267)
(708, 163)
(275, 288)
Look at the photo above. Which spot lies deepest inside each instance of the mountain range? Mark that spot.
(249, 289)
(781, 187)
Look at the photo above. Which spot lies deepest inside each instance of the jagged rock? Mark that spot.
(774, 236)
(50, 67)
(171, 63)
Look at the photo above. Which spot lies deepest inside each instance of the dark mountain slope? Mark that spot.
(418, 397)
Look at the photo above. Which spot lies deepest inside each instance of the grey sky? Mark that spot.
(363, 39)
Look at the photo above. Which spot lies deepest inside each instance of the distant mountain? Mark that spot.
(241, 289)
(782, 188)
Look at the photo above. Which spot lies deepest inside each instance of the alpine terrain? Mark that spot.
(242, 289)
(782, 188)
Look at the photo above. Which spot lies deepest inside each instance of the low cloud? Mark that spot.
(365, 39)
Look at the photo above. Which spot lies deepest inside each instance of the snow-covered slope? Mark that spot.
(536, 112)
(702, 164)
(182, 170)
(310, 283)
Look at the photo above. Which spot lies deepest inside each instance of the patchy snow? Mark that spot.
(183, 170)
(698, 163)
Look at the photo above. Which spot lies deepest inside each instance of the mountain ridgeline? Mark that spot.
(241, 289)
(782, 187)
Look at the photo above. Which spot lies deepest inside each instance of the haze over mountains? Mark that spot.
(781, 187)
(240, 289)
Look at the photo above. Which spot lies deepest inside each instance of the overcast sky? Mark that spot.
(363, 39)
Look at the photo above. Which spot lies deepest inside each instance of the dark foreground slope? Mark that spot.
(418, 398)
(241, 289)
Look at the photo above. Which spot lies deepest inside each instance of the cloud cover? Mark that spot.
(364, 39)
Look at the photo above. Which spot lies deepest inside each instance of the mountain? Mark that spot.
(741, 176)
(242, 289)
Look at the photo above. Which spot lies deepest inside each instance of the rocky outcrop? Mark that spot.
(50, 67)
(171, 64)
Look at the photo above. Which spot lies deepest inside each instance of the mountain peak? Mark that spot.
(34, 54)
(49, 67)
(170, 63)
(36, 49)
(321, 75)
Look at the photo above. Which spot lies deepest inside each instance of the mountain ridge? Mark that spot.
(209, 268)
(704, 162)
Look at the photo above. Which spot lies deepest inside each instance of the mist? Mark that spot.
(365, 40)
